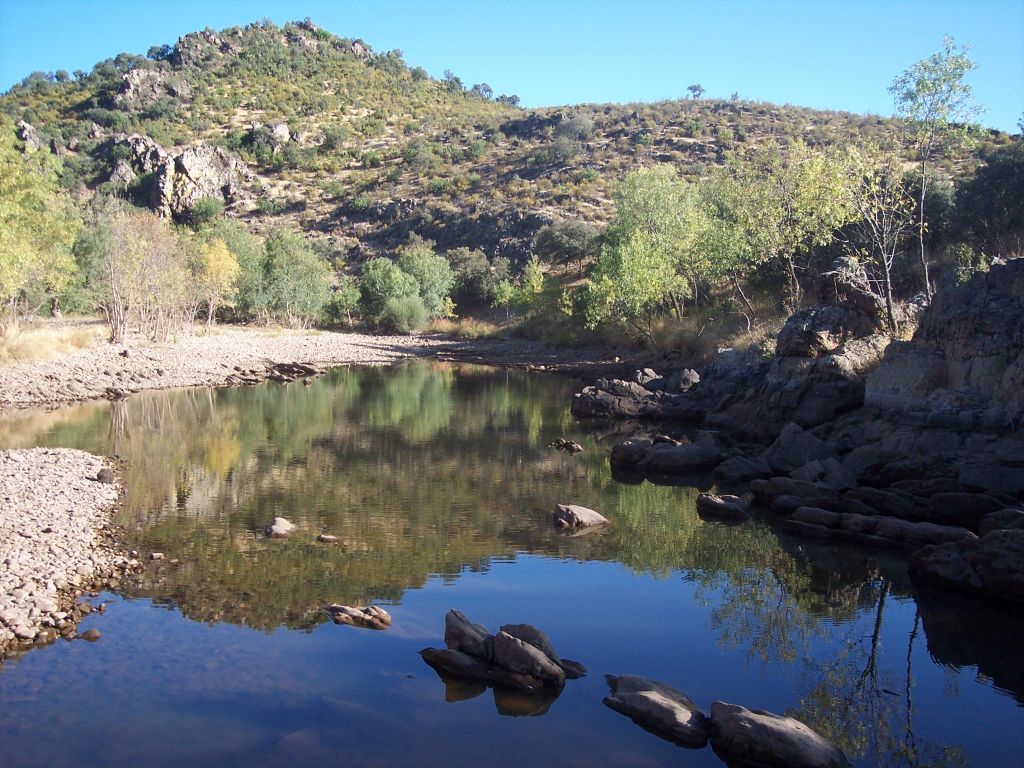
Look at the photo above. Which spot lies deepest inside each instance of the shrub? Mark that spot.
(383, 281)
(404, 314)
(204, 212)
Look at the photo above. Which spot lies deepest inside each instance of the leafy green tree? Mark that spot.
(990, 204)
(650, 256)
(432, 273)
(382, 281)
(344, 301)
(298, 281)
(884, 214)
(696, 91)
(38, 223)
(251, 296)
(568, 241)
(938, 110)
(404, 314)
(792, 199)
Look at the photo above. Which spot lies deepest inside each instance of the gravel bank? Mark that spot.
(54, 542)
(114, 370)
(94, 372)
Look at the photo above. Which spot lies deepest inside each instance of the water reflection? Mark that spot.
(433, 472)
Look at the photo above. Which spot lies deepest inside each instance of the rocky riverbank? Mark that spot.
(851, 435)
(56, 543)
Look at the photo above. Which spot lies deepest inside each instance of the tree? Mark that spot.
(38, 223)
(298, 281)
(252, 297)
(566, 242)
(218, 270)
(696, 91)
(649, 259)
(382, 281)
(432, 273)
(938, 112)
(791, 200)
(990, 204)
(885, 215)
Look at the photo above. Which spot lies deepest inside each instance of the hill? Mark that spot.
(295, 125)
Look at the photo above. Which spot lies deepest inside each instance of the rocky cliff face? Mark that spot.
(965, 365)
(183, 178)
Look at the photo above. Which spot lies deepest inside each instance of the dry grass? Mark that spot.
(48, 340)
(466, 328)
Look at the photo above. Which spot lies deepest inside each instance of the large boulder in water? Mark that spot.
(658, 708)
(746, 738)
(575, 516)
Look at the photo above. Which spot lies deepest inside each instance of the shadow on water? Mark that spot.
(430, 473)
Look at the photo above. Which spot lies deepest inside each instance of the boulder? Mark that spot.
(27, 133)
(460, 634)
(827, 471)
(458, 663)
(520, 657)
(280, 528)
(945, 565)
(740, 469)
(539, 640)
(681, 381)
(793, 448)
(658, 708)
(703, 453)
(963, 509)
(820, 330)
(1004, 519)
(369, 617)
(999, 562)
(725, 507)
(629, 453)
(575, 516)
(746, 738)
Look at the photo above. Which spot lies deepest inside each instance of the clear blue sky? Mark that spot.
(823, 54)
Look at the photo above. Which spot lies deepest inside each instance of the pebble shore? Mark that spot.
(55, 543)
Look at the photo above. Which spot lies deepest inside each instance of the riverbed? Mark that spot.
(438, 481)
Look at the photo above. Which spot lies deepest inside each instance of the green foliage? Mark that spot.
(566, 242)
(433, 275)
(344, 301)
(404, 314)
(298, 281)
(37, 227)
(381, 282)
(252, 296)
(474, 276)
(990, 204)
(205, 212)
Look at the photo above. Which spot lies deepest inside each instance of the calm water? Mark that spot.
(438, 481)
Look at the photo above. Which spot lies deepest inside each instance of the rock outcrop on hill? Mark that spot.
(183, 178)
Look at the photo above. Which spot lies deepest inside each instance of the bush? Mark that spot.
(383, 281)
(405, 314)
(205, 212)
(432, 273)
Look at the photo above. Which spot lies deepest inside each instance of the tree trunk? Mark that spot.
(920, 231)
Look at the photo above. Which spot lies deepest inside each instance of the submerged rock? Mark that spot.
(746, 738)
(658, 708)
(575, 516)
(369, 617)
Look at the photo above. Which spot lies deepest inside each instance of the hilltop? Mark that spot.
(295, 125)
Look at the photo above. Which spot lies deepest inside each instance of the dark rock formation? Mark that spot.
(520, 656)
(658, 708)
(724, 507)
(747, 738)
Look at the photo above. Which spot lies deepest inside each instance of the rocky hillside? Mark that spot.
(297, 125)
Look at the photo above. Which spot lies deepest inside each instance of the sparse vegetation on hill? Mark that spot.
(293, 129)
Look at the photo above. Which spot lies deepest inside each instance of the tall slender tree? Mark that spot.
(938, 110)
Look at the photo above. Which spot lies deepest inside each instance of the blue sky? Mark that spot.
(823, 54)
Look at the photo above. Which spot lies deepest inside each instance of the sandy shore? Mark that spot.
(116, 370)
(54, 542)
